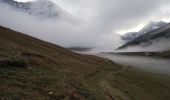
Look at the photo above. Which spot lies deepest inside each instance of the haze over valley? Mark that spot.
(84, 49)
(60, 22)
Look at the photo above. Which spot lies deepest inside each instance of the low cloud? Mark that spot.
(86, 23)
(161, 44)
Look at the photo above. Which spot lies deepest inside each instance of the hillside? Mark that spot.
(79, 49)
(147, 38)
(32, 69)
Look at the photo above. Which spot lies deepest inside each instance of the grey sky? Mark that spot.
(94, 23)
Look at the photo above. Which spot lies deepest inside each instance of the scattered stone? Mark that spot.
(16, 98)
(50, 93)
(141, 82)
(29, 68)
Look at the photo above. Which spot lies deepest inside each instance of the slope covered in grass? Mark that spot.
(31, 69)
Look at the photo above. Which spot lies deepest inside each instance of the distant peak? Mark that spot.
(39, 8)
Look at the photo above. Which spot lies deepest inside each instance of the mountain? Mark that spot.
(148, 28)
(32, 69)
(19, 5)
(80, 49)
(129, 36)
(41, 8)
(147, 38)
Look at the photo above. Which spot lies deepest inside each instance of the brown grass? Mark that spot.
(55, 73)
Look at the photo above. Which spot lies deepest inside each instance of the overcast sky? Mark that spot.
(93, 23)
(121, 14)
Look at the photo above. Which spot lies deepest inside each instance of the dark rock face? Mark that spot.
(129, 36)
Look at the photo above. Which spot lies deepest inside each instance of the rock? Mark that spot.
(141, 82)
(50, 93)
(29, 68)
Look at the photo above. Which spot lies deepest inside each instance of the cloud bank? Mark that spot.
(86, 23)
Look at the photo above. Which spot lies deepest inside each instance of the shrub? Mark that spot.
(17, 62)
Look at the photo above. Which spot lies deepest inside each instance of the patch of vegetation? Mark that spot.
(17, 62)
(13, 62)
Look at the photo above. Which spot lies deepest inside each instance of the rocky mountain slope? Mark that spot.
(147, 38)
(148, 28)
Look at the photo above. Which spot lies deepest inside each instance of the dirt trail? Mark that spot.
(110, 92)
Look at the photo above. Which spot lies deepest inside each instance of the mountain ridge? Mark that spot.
(148, 28)
(41, 8)
(147, 38)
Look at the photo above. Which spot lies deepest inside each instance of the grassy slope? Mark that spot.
(55, 73)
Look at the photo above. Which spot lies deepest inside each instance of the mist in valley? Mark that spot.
(150, 64)
(88, 23)
(98, 31)
(158, 45)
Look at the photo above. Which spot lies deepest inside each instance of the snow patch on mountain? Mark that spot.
(41, 8)
(148, 28)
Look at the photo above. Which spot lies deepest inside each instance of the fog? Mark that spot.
(153, 65)
(86, 23)
(63, 30)
(162, 44)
